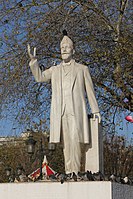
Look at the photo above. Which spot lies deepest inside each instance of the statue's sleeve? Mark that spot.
(90, 91)
(40, 76)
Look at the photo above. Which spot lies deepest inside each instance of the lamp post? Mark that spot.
(30, 142)
(41, 158)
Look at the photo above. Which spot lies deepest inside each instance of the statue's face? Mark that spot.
(66, 51)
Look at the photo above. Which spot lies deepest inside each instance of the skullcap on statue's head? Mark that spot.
(66, 39)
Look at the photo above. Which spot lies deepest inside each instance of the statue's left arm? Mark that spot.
(91, 95)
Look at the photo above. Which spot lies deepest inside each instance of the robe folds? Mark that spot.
(81, 83)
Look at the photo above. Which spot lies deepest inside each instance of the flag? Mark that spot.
(46, 170)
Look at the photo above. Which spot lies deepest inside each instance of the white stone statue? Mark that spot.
(68, 118)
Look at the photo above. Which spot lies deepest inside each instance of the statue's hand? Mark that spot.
(32, 57)
(97, 115)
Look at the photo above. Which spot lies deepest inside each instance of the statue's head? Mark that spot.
(67, 49)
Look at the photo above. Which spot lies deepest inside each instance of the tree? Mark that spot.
(101, 31)
(118, 156)
(14, 153)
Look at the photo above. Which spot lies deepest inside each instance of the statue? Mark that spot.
(68, 118)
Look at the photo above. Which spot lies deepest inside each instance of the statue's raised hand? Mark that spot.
(32, 57)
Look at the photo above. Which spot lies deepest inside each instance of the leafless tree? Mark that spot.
(102, 34)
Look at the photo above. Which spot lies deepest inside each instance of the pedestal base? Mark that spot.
(68, 190)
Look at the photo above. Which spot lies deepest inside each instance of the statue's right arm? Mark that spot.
(36, 71)
(40, 76)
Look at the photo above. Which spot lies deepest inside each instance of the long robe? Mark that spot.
(81, 83)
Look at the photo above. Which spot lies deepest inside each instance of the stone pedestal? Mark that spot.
(68, 190)
(94, 154)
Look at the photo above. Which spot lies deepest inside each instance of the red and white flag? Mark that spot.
(46, 170)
